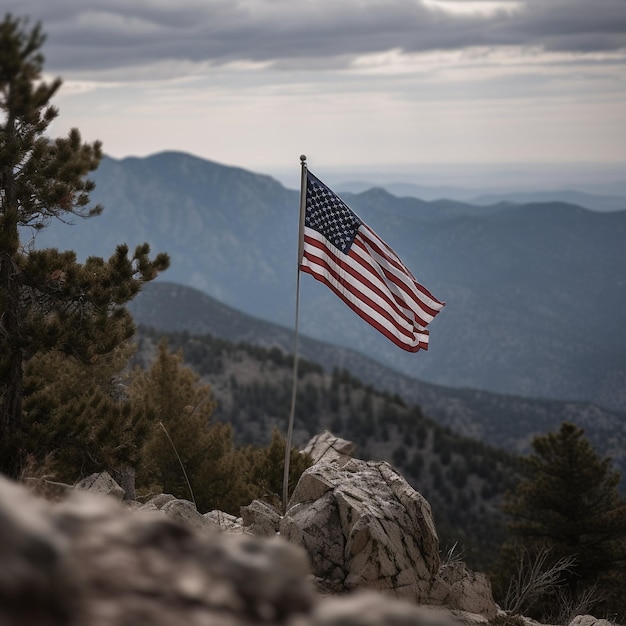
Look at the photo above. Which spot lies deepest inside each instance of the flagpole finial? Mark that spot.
(303, 157)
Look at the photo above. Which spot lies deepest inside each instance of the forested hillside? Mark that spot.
(502, 420)
(463, 479)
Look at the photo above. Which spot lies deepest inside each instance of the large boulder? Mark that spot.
(364, 526)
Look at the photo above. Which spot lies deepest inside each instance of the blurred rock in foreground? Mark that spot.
(90, 560)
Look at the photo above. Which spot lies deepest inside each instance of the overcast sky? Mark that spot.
(370, 84)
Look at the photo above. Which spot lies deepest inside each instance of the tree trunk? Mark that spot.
(125, 478)
(11, 400)
(11, 382)
(10, 314)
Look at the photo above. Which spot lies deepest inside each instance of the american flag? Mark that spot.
(342, 252)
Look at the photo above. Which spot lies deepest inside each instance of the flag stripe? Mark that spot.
(422, 343)
(419, 342)
(357, 291)
(394, 286)
(338, 272)
(363, 273)
(420, 293)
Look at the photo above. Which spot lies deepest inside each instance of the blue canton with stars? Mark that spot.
(329, 215)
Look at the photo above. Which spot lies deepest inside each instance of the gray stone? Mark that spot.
(102, 483)
(469, 591)
(589, 620)
(327, 447)
(372, 609)
(92, 561)
(159, 500)
(364, 525)
(37, 581)
(224, 521)
(186, 513)
(261, 518)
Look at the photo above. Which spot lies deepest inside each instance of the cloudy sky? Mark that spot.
(380, 85)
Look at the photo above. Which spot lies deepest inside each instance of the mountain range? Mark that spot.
(594, 201)
(536, 293)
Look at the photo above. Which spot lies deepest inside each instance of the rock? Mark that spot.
(463, 618)
(37, 582)
(224, 521)
(589, 620)
(351, 526)
(363, 525)
(269, 574)
(469, 591)
(186, 513)
(370, 609)
(102, 483)
(261, 518)
(526, 621)
(92, 561)
(156, 502)
(327, 447)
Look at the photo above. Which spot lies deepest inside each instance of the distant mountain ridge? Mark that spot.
(594, 202)
(536, 293)
(598, 201)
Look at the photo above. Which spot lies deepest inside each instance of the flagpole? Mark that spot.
(295, 340)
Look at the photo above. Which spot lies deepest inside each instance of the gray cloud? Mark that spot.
(105, 34)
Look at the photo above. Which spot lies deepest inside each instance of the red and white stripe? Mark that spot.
(375, 284)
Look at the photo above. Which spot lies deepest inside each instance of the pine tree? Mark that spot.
(49, 301)
(268, 467)
(72, 430)
(568, 503)
(185, 453)
(184, 443)
(179, 412)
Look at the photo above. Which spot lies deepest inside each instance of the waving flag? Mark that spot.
(342, 252)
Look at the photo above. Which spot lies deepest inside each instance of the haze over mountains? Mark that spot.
(602, 200)
(536, 292)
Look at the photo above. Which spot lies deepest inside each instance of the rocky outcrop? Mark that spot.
(92, 561)
(364, 527)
